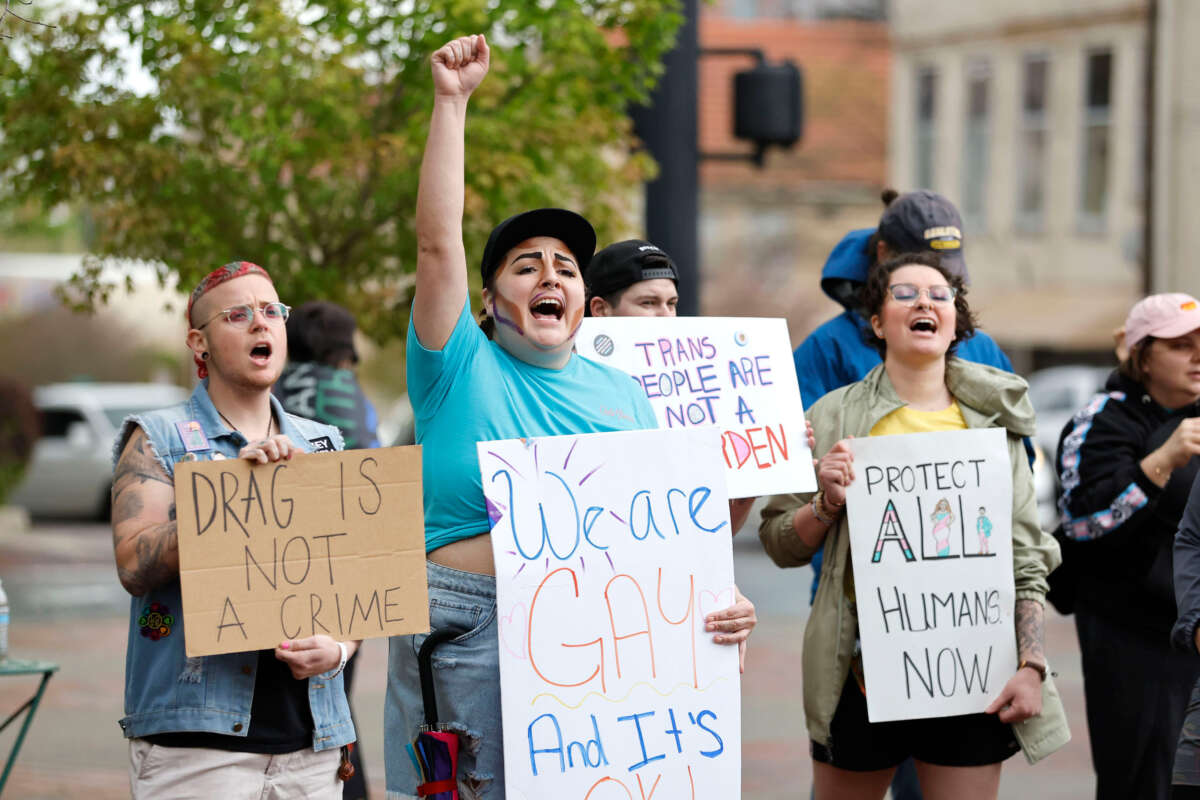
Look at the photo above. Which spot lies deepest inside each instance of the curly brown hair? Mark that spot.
(875, 292)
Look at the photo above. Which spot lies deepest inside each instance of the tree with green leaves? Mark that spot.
(290, 134)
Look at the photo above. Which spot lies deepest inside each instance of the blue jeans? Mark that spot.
(466, 680)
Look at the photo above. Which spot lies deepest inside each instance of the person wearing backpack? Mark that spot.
(1126, 463)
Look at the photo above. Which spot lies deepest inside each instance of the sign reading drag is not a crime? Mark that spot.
(931, 539)
(330, 543)
(610, 550)
(732, 372)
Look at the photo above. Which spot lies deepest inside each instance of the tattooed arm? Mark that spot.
(143, 519)
(1021, 697)
(1031, 631)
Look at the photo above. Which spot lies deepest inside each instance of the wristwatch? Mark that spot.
(1037, 666)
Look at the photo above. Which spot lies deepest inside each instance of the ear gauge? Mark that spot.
(204, 356)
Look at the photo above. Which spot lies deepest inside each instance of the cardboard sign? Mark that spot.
(931, 542)
(610, 550)
(732, 372)
(329, 543)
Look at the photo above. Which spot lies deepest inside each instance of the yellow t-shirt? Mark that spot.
(909, 420)
(902, 420)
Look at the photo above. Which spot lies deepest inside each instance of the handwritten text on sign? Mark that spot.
(931, 541)
(328, 543)
(735, 373)
(610, 549)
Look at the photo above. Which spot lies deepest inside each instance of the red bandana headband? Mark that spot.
(234, 269)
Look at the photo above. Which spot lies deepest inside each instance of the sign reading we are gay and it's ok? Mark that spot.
(610, 549)
(931, 539)
(732, 372)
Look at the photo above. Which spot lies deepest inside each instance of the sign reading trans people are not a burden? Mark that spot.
(610, 550)
(732, 372)
(931, 539)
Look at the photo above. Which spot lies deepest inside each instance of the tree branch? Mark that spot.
(8, 12)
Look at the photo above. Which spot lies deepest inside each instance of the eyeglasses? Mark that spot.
(241, 316)
(908, 294)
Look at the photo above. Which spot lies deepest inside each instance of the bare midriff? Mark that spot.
(469, 555)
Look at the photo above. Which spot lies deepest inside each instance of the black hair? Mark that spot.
(487, 323)
(888, 195)
(321, 332)
(875, 293)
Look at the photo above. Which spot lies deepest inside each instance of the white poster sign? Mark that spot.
(931, 541)
(733, 372)
(610, 550)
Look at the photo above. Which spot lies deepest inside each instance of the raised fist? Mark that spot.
(459, 66)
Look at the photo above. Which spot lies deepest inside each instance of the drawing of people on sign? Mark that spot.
(942, 518)
(983, 526)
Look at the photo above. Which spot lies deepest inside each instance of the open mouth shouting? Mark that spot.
(260, 354)
(547, 307)
(924, 323)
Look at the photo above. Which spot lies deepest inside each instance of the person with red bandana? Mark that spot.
(269, 723)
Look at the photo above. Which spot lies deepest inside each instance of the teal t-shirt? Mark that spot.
(473, 390)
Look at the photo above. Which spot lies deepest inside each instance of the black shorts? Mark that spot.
(855, 744)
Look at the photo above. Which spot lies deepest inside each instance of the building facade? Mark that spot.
(1040, 119)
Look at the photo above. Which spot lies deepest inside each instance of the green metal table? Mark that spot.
(21, 666)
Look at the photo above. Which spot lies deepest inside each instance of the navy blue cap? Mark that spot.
(568, 227)
(921, 221)
(623, 264)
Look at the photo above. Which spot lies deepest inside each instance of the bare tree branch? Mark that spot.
(8, 12)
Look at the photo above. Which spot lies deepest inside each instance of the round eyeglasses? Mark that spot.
(241, 316)
(908, 294)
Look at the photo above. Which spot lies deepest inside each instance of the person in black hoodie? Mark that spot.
(1126, 463)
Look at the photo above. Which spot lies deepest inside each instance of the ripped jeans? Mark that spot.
(466, 681)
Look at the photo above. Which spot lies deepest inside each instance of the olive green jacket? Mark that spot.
(988, 397)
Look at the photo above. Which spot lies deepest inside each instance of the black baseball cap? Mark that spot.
(625, 263)
(922, 221)
(568, 227)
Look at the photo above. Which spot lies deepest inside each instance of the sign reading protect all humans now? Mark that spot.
(610, 549)
(732, 372)
(931, 541)
(328, 543)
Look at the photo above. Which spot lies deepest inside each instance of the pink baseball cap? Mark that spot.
(1163, 316)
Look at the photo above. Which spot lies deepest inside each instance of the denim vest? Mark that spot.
(164, 690)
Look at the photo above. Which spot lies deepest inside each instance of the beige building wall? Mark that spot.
(1177, 167)
(1066, 283)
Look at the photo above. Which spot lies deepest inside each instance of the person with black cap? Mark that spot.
(514, 375)
(632, 278)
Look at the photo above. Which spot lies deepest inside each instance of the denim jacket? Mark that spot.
(165, 691)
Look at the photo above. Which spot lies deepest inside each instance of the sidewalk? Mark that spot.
(67, 607)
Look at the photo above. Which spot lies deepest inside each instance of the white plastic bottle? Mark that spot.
(3, 623)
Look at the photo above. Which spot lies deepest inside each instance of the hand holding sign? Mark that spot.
(835, 472)
(274, 448)
(313, 655)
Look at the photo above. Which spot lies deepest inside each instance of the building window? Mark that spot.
(976, 145)
(1097, 132)
(1033, 142)
(923, 167)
